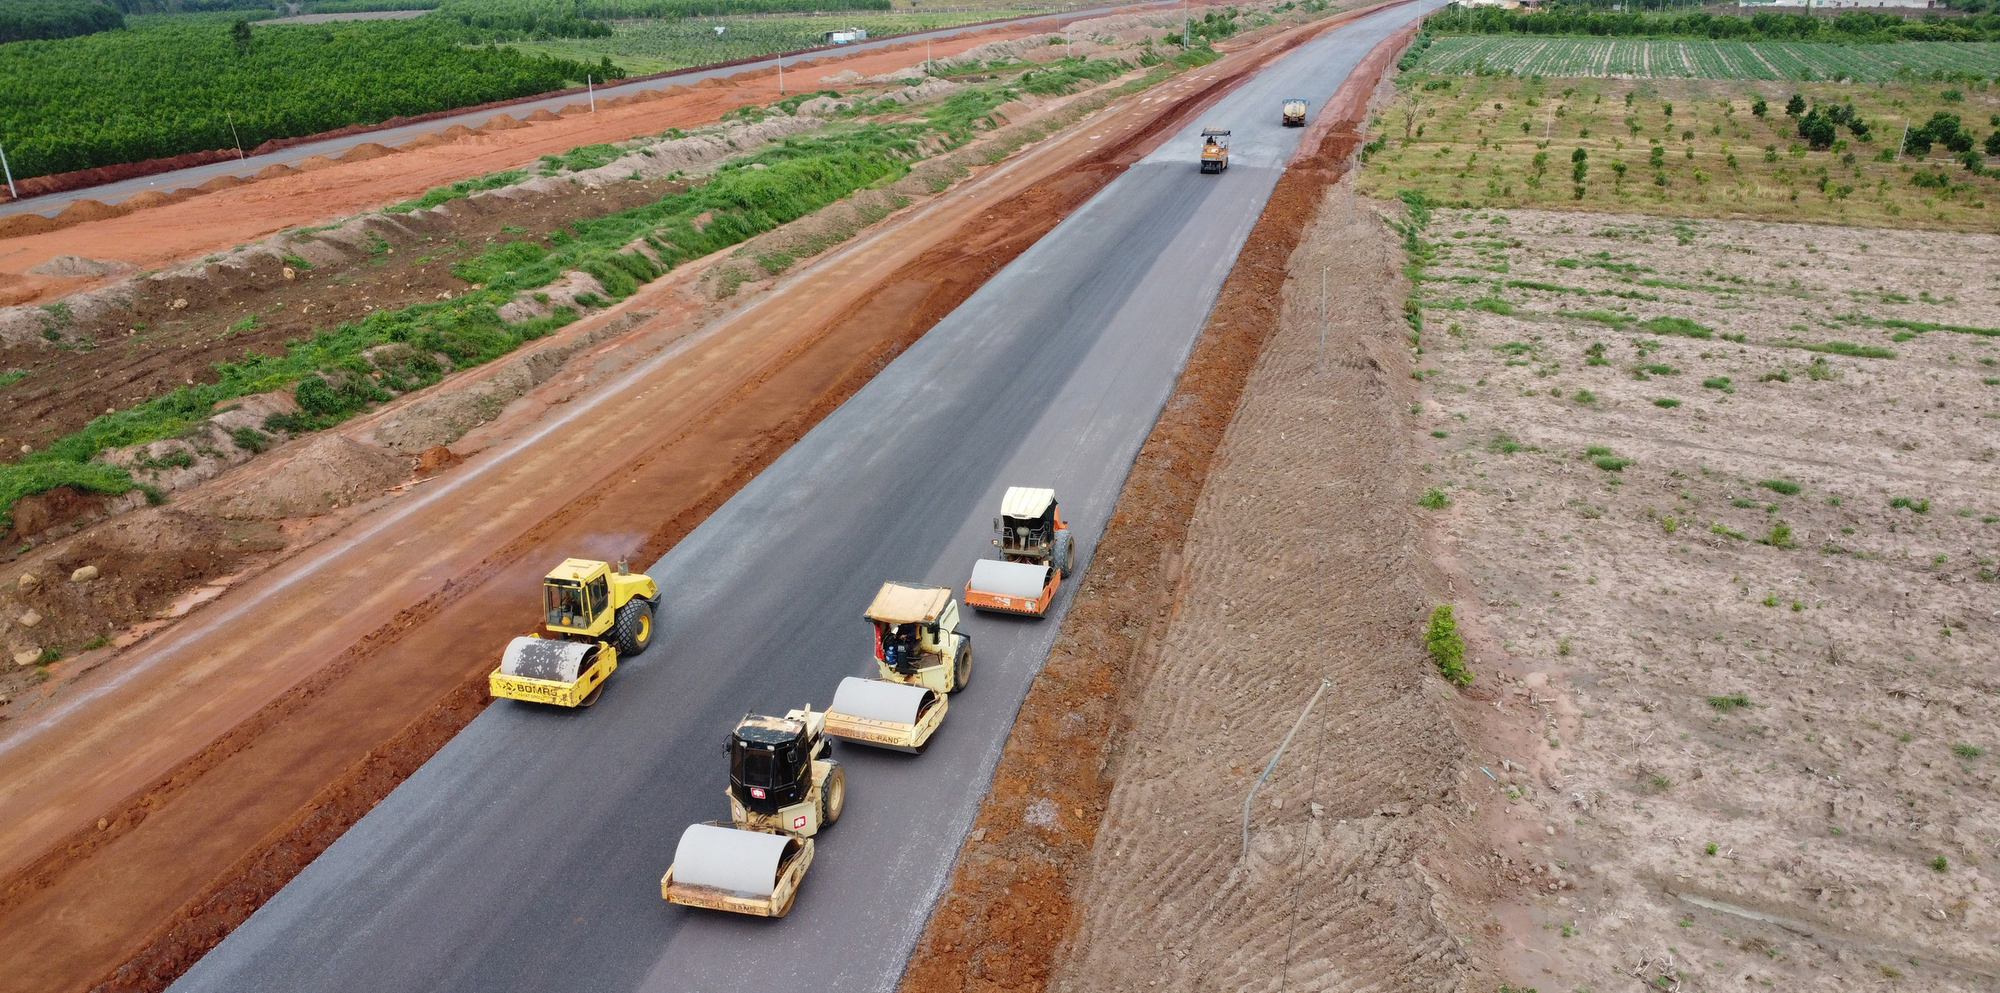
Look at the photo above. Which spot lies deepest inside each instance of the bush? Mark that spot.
(1434, 499)
(1447, 649)
(1785, 486)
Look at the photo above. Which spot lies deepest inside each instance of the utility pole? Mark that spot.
(781, 76)
(233, 135)
(12, 193)
(1186, 42)
(1905, 140)
(590, 87)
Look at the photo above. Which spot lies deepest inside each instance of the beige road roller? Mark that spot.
(742, 870)
(593, 614)
(1035, 553)
(917, 640)
(885, 714)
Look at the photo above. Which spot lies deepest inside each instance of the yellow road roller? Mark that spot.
(742, 870)
(917, 640)
(889, 715)
(592, 614)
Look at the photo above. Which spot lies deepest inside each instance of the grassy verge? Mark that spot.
(1693, 148)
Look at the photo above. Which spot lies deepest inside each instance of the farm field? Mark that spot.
(1727, 524)
(1683, 59)
(650, 46)
(1691, 148)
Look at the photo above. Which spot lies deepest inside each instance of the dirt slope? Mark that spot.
(1304, 561)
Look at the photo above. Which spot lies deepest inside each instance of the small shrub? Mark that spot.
(250, 439)
(1667, 402)
(1785, 486)
(1434, 499)
(1729, 703)
(1913, 506)
(1780, 536)
(1966, 751)
(1718, 383)
(1669, 525)
(1584, 396)
(1939, 864)
(1612, 463)
(1446, 648)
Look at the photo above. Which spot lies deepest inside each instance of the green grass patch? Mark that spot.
(462, 188)
(1678, 326)
(1911, 504)
(1785, 486)
(1434, 499)
(1667, 402)
(1734, 701)
(1718, 383)
(1847, 348)
(12, 376)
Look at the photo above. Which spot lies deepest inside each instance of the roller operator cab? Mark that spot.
(1214, 149)
(917, 639)
(782, 775)
(593, 614)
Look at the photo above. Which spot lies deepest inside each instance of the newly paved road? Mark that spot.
(54, 203)
(527, 854)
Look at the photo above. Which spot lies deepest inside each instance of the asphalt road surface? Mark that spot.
(527, 854)
(54, 203)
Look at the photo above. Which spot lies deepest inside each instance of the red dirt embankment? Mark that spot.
(1010, 906)
(352, 703)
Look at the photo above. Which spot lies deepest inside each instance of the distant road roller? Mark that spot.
(1215, 150)
(1035, 552)
(592, 614)
(754, 871)
(885, 714)
(917, 640)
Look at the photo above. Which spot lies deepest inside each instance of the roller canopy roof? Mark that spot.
(1026, 501)
(908, 603)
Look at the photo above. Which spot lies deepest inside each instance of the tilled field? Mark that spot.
(1724, 500)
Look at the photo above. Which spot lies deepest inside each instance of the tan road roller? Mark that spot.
(1214, 149)
(885, 714)
(1035, 552)
(1294, 112)
(783, 790)
(753, 871)
(917, 640)
(592, 614)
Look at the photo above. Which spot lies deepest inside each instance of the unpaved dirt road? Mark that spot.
(526, 853)
(356, 680)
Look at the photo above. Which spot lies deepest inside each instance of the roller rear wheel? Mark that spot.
(632, 630)
(961, 670)
(832, 795)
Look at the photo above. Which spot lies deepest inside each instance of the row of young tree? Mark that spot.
(588, 18)
(1848, 27)
(127, 96)
(45, 20)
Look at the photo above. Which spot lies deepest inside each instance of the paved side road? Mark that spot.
(54, 203)
(527, 854)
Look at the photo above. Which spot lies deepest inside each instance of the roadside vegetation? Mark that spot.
(644, 47)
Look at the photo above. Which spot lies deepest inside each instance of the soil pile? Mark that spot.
(326, 472)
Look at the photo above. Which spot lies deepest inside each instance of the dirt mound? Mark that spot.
(220, 183)
(327, 472)
(436, 458)
(315, 163)
(502, 122)
(76, 267)
(143, 562)
(154, 198)
(365, 151)
(87, 210)
(42, 511)
(23, 225)
(423, 141)
(455, 132)
(542, 114)
(275, 170)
